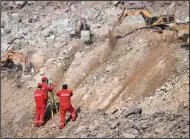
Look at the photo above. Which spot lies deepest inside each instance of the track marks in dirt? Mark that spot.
(81, 68)
(157, 67)
(88, 93)
(59, 74)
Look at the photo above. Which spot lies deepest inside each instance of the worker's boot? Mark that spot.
(41, 123)
(36, 123)
(73, 118)
(62, 126)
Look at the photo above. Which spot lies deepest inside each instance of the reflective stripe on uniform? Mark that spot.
(62, 123)
(65, 95)
(37, 95)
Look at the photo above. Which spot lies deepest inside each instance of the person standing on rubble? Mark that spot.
(40, 98)
(47, 88)
(65, 105)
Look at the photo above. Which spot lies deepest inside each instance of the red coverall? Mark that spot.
(65, 106)
(46, 88)
(40, 98)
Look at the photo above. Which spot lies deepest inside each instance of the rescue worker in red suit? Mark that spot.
(65, 105)
(46, 88)
(40, 98)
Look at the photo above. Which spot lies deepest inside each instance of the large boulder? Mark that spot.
(38, 61)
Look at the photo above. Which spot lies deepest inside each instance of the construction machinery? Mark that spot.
(181, 27)
(157, 22)
(11, 59)
(82, 31)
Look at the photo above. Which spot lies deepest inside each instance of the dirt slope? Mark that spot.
(145, 68)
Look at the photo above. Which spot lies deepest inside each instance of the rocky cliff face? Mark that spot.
(145, 69)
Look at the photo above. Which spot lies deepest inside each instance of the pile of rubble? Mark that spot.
(98, 75)
(123, 125)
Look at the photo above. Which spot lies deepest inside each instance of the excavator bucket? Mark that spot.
(12, 59)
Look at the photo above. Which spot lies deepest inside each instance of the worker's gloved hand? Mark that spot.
(52, 85)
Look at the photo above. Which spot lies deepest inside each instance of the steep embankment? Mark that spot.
(144, 68)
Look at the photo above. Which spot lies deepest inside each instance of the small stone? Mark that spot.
(159, 130)
(52, 37)
(20, 4)
(82, 53)
(59, 64)
(53, 125)
(31, 2)
(127, 135)
(94, 77)
(78, 55)
(108, 68)
(10, 39)
(63, 136)
(114, 125)
(66, 10)
(60, 58)
(7, 31)
(172, 5)
(79, 129)
(163, 88)
(64, 43)
(73, 8)
(41, 71)
(98, 25)
(33, 19)
(114, 111)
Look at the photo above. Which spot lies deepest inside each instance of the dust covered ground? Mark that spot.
(144, 69)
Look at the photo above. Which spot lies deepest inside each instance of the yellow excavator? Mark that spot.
(82, 31)
(154, 22)
(159, 22)
(11, 59)
(181, 27)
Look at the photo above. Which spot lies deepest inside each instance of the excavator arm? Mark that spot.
(125, 12)
(149, 19)
(11, 57)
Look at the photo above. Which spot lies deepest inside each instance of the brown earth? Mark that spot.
(140, 67)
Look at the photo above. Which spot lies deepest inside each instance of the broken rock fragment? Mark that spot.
(20, 4)
(133, 110)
